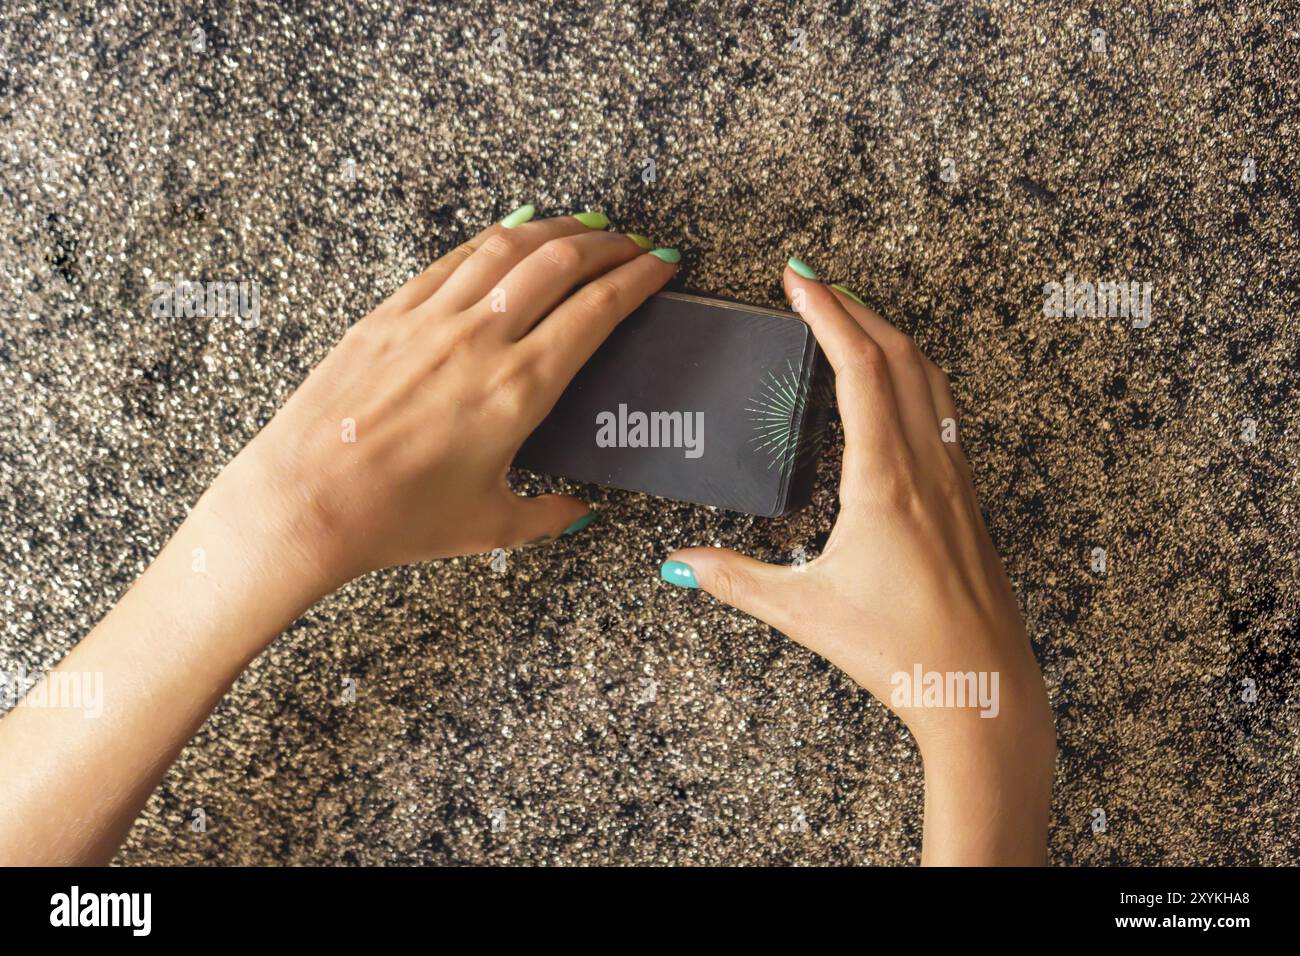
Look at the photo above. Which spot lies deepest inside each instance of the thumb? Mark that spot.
(760, 590)
(544, 518)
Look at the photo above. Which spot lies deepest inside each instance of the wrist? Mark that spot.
(1001, 756)
(281, 535)
(228, 582)
(1018, 727)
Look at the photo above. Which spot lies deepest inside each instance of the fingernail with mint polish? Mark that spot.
(643, 242)
(581, 523)
(675, 572)
(670, 256)
(849, 292)
(519, 216)
(592, 220)
(801, 267)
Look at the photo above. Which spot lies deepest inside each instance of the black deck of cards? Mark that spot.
(695, 398)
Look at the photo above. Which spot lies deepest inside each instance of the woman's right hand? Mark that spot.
(909, 581)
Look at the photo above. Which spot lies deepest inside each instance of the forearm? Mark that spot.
(988, 795)
(228, 582)
(346, 478)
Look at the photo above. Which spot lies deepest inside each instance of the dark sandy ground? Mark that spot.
(522, 696)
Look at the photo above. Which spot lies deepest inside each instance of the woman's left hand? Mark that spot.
(396, 447)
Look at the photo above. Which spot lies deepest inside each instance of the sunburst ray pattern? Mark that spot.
(774, 412)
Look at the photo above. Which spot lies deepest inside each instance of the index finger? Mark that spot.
(559, 345)
(421, 287)
(873, 435)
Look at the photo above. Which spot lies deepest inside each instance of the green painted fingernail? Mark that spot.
(519, 216)
(592, 220)
(849, 292)
(801, 267)
(674, 572)
(671, 256)
(641, 241)
(581, 523)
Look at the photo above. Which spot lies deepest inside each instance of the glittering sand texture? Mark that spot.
(522, 696)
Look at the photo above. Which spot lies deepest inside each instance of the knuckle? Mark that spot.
(461, 253)
(727, 585)
(515, 385)
(951, 486)
(564, 254)
(366, 335)
(895, 489)
(503, 245)
(601, 296)
(871, 357)
(901, 348)
(467, 334)
(460, 332)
